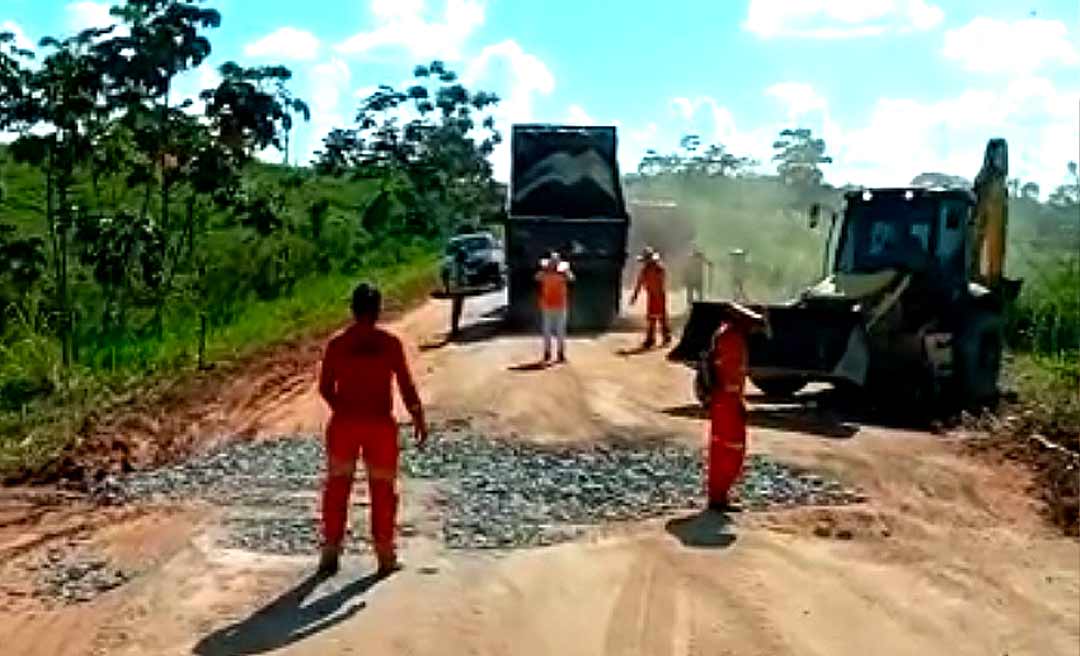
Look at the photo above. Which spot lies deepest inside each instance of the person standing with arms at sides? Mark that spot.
(653, 279)
(727, 408)
(554, 279)
(358, 371)
(698, 270)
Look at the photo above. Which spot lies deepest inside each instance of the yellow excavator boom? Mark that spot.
(991, 216)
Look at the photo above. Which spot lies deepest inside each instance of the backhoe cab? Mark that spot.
(911, 299)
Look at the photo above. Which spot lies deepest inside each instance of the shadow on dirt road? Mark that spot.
(795, 419)
(286, 620)
(704, 530)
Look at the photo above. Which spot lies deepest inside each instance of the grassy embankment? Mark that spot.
(254, 299)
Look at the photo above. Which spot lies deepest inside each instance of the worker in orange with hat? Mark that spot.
(653, 279)
(554, 278)
(358, 371)
(727, 408)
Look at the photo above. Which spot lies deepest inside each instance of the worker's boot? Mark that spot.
(388, 563)
(330, 562)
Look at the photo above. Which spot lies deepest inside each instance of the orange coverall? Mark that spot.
(727, 411)
(653, 279)
(357, 372)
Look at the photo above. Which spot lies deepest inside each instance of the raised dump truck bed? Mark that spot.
(566, 195)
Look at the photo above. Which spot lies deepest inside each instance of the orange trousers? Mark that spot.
(656, 316)
(346, 440)
(727, 445)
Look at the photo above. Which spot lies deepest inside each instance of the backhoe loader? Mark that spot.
(911, 301)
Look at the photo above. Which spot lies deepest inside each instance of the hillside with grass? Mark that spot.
(143, 237)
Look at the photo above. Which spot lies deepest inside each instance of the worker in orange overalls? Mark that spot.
(358, 371)
(727, 409)
(653, 279)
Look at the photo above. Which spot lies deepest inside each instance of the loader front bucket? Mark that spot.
(812, 343)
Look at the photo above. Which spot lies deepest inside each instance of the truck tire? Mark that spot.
(977, 358)
(779, 387)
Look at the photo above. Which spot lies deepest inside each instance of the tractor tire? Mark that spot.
(779, 387)
(977, 351)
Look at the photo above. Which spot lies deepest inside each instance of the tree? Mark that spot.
(713, 161)
(63, 99)
(1030, 191)
(428, 146)
(1068, 194)
(800, 157)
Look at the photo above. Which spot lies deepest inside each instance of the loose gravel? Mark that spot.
(77, 576)
(491, 493)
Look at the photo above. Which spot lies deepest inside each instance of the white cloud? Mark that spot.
(988, 45)
(329, 85)
(577, 115)
(21, 39)
(839, 19)
(518, 77)
(904, 137)
(406, 24)
(799, 98)
(285, 43)
(85, 15)
(191, 83)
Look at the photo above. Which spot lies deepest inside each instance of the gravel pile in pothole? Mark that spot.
(73, 577)
(492, 493)
(507, 494)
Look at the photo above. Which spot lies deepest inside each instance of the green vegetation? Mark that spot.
(141, 238)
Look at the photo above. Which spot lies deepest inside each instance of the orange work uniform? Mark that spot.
(653, 279)
(357, 373)
(727, 411)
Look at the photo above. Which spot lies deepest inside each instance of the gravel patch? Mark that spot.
(491, 493)
(76, 576)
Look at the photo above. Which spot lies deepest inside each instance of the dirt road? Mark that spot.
(948, 555)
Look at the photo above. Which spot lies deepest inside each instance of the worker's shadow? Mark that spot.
(286, 620)
(707, 529)
(481, 331)
(628, 351)
(795, 420)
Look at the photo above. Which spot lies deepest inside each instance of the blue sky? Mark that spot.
(896, 87)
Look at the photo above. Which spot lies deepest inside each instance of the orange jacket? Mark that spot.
(553, 289)
(358, 370)
(730, 362)
(653, 279)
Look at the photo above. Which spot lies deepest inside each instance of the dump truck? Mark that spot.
(912, 298)
(566, 195)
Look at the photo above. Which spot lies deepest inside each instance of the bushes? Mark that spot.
(1045, 319)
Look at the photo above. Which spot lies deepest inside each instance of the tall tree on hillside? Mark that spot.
(428, 145)
(63, 101)
(14, 80)
(800, 157)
